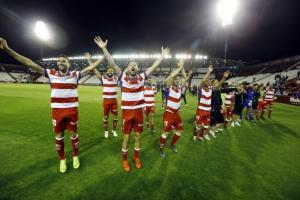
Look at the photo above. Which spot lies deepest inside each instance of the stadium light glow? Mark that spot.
(141, 56)
(42, 31)
(226, 10)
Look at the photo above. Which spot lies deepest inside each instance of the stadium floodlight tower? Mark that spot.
(42, 32)
(226, 10)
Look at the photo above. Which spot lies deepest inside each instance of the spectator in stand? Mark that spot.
(298, 95)
(298, 75)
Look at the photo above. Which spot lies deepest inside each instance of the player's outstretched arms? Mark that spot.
(22, 59)
(209, 71)
(153, 67)
(169, 79)
(88, 57)
(107, 55)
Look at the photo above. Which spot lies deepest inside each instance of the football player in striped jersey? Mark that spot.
(171, 118)
(133, 101)
(64, 99)
(109, 82)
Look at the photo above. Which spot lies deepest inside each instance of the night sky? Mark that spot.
(263, 29)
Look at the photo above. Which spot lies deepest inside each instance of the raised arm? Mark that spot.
(153, 67)
(88, 57)
(22, 59)
(168, 80)
(107, 55)
(209, 71)
(225, 76)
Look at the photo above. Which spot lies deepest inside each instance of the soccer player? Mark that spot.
(256, 97)
(268, 99)
(202, 122)
(64, 99)
(171, 117)
(110, 89)
(228, 103)
(239, 98)
(249, 101)
(217, 118)
(133, 101)
(150, 91)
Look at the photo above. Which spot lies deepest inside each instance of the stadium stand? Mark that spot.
(5, 77)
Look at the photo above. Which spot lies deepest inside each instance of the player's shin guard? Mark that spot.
(175, 138)
(60, 148)
(115, 123)
(105, 123)
(136, 153)
(75, 145)
(125, 154)
(163, 140)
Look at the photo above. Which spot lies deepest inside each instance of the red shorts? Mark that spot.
(261, 105)
(172, 121)
(203, 118)
(132, 119)
(149, 109)
(64, 118)
(110, 105)
(270, 103)
(227, 112)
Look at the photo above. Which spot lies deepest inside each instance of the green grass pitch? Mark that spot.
(256, 161)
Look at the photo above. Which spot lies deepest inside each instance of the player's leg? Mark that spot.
(137, 149)
(270, 109)
(126, 127)
(152, 112)
(167, 122)
(147, 116)
(250, 111)
(114, 111)
(138, 129)
(71, 126)
(178, 125)
(59, 125)
(106, 111)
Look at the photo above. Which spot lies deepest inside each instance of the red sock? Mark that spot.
(75, 145)
(163, 140)
(196, 132)
(175, 138)
(124, 154)
(105, 122)
(202, 132)
(60, 148)
(136, 153)
(115, 123)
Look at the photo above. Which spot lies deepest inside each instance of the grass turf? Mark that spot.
(257, 161)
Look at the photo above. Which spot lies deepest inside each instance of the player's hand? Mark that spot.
(88, 56)
(226, 74)
(180, 63)
(3, 44)
(210, 68)
(165, 51)
(100, 42)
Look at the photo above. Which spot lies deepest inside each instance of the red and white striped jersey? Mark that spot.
(228, 99)
(133, 91)
(63, 88)
(150, 95)
(110, 87)
(205, 99)
(269, 94)
(174, 99)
